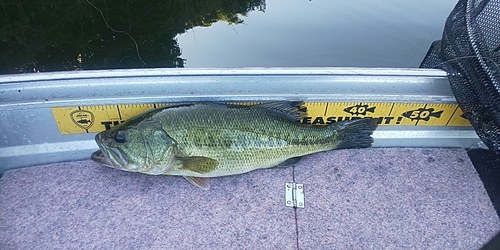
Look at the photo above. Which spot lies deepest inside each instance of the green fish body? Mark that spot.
(209, 140)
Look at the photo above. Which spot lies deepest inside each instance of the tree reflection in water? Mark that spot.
(54, 35)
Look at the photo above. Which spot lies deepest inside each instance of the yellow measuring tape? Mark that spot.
(88, 119)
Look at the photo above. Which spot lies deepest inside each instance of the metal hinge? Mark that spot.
(294, 194)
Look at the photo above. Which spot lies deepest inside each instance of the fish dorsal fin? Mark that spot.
(203, 183)
(198, 164)
(291, 110)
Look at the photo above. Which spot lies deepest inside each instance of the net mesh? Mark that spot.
(469, 53)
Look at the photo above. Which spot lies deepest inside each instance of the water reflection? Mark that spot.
(322, 33)
(51, 35)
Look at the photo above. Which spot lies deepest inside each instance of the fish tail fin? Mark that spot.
(354, 133)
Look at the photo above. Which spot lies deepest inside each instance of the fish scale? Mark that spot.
(252, 146)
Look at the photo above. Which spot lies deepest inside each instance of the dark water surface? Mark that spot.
(43, 35)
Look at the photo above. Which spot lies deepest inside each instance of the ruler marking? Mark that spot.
(119, 113)
(452, 115)
(86, 130)
(392, 107)
(326, 108)
(418, 120)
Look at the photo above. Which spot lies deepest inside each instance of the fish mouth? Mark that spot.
(110, 157)
(113, 158)
(99, 157)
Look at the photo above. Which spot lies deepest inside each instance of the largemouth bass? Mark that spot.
(204, 140)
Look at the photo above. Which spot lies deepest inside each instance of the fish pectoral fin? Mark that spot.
(203, 183)
(289, 162)
(198, 164)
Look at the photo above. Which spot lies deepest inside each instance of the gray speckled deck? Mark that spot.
(393, 199)
(355, 199)
(82, 205)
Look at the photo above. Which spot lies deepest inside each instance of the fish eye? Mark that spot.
(120, 137)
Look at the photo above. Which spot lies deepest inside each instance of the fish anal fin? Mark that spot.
(203, 183)
(289, 162)
(198, 164)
